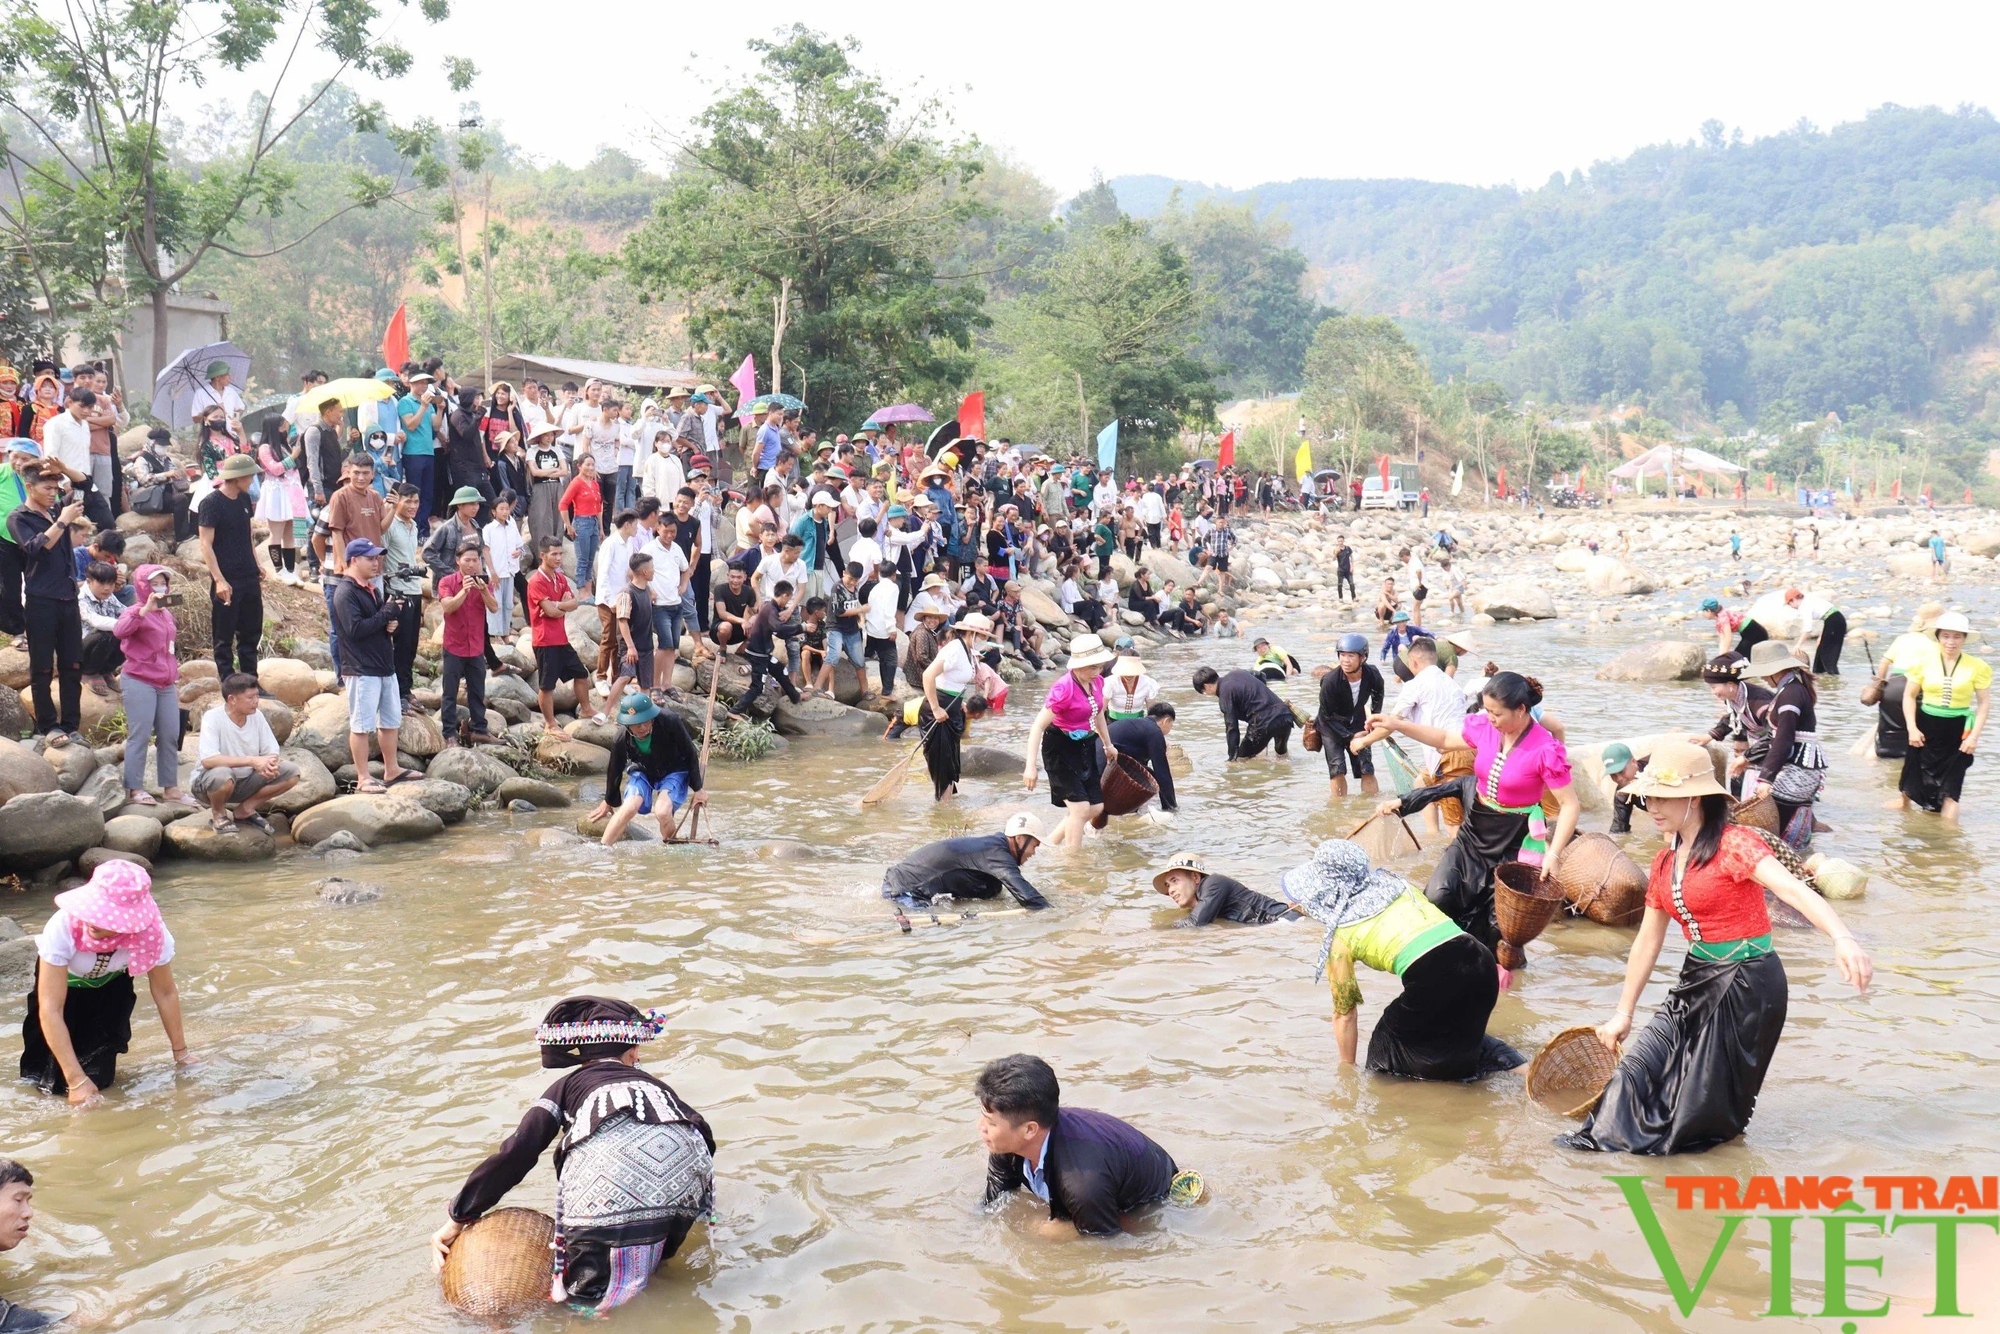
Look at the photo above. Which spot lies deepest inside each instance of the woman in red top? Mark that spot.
(1691, 1077)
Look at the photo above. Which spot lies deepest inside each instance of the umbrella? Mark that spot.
(1204, 465)
(351, 392)
(901, 412)
(943, 438)
(177, 383)
(785, 401)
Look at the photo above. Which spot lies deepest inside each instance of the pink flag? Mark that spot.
(745, 381)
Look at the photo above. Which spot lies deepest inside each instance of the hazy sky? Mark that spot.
(1242, 93)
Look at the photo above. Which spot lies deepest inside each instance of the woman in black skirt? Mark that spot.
(946, 682)
(1436, 1029)
(79, 1019)
(1944, 711)
(1067, 735)
(1689, 1081)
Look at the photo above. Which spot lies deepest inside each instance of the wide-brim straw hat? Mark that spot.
(1128, 666)
(974, 624)
(931, 581)
(1088, 651)
(1953, 620)
(1678, 769)
(1769, 658)
(1925, 617)
(1187, 861)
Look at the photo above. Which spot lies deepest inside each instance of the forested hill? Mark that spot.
(1848, 270)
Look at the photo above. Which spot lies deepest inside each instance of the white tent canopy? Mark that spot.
(519, 365)
(1672, 460)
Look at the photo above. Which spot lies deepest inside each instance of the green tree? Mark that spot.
(100, 84)
(1259, 322)
(806, 220)
(1364, 387)
(1110, 330)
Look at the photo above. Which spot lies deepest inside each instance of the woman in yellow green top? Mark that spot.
(1906, 654)
(1944, 709)
(1437, 1028)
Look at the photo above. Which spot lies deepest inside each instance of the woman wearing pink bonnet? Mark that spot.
(103, 934)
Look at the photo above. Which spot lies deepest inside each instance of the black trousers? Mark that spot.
(1832, 638)
(409, 629)
(1153, 536)
(12, 570)
(101, 654)
(1091, 612)
(698, 585)
(238, 627)
(472, 671)
(1344, 580)
(55, 652)
(760, 667)
(883, 651)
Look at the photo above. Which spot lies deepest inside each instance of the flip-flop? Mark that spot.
(372, 788)
(143, 799)
(406, 776)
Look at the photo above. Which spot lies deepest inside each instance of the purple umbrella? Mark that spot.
(901, 412)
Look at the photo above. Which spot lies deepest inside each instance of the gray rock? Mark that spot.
(22, 770)
(787, 850)
(132, 833)
(821, 716)
(18, 961)
(645, 829)
(596, 734)
(93, 858)
(314, 786)
(11, 929)
(337, 890)
(542, 795)
(469, 769)
(195, 839)
(849, 686)
(279, 714)
(104, 789)
(989, 762)
(161, 812)
(329, 747)
(41, 829)
(338, 842)
(1662, 660)
(374, 820)
(518, 806)
(512, 688)
(448, 801)
(73, 765)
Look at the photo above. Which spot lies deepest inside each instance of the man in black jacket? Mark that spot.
(368, 665)
(976, 867)
(1347, 695)
(1252, 716)
(651, 757)
(1093, 1169)
(1145, 739)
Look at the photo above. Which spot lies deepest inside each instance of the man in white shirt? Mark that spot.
(219, 392)
(1430, 698)
(613, 571)
(576, 417)
(878, 627)
(672, 576)
(534, 406)
(66, 443)
(1152, 513)
(1823, 627)
(864, 550)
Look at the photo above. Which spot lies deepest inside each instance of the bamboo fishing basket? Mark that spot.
(1600, 882)
(503, 1265)
(1760, 813)
(1523, 904)
(1569, 1075)
(1127, 785)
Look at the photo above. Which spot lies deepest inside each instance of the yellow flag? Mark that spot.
(1304, 461)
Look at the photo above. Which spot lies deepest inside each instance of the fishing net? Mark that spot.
(1385, 838)
(1402, 770)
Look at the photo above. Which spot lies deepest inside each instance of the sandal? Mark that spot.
(370, 788)
(141, 797)
(256, 821)
(222, 824)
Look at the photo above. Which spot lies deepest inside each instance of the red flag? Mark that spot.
(396, 339)
(1385, 472)
(1502, 481)
(972, 415)
(1225, 451)
(1739, 488)
(1927, 495)
(1968, 495)
(1896, 488)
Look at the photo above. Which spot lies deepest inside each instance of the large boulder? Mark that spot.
(41, 829)
(1573, 560)
(596, 733)
(1265, 578)
(1986, 543)
(1043, 609)
(1610, 577)
(73, 765)
(132, 833)
(989, 762)
(314, 786)
(448, 801)
(94, 714)
(514, 688)
(1515, 600)
(14, 667)
(289, 679)
(23, 771)
(567, 755)
(1165, 565)
(544, 796)
(470, 769)
(1910, 563)
(821, 716)
(15, 719)
(374, 820)
(1661, 660)
(420, 737)
(195, 839)
(280, 716)
(105, 789)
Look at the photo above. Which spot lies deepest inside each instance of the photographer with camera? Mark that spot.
(402, 580)
(149, 684)
(465, 597)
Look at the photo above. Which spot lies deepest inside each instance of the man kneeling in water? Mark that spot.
(653, 768)
(1093, 1169)
(975, 867)
(1207, 898)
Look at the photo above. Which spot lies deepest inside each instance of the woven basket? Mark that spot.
(1523, 905)
(1451, 764)
(1569, 1075)
(502, 1265)
(1601, 882)
(1761, 813)
(1127, 785)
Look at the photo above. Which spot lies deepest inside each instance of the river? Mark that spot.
(356, 1062)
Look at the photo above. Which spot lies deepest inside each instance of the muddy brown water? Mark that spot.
(356, 1062)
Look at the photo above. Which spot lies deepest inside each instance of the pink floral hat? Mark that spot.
(119, 901)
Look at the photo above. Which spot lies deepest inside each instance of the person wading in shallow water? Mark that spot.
(1093, 1170)
(1209, 898)
(1690, 1079)
(635, 1166)
(1072, 738)
(975, 867)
